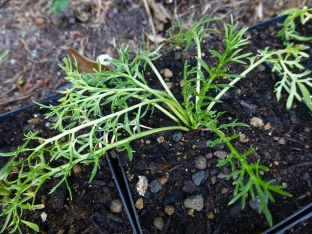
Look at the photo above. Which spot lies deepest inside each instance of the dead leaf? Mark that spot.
(84, 64)
(156, 39)
(161, 16)
(160, 12)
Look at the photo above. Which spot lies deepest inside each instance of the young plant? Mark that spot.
(297, 85)
(289, 33)
(4, 53)
(58, 5)
(284, 62)
(114, 102)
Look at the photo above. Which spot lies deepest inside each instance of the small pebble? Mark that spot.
(198, 177)
(189, 187)
(177, 136)
(155, 186)
(235, 208)
(222, 176)
(267, 126)
(256, 122)
(29, 127)
(248, 108)
(33, 53)
(195, 202)
(169, 85)
(168, 73)
(243, 137)
(281, 141)
(13, 61)
(276, 138)
(255, 204)
(306, 176)
(116, 206)
(77, 170)
(190, 212)
(52, 118)
(177, 55)
(294, 117)
(200, 162)
(213, 171)
(47, 125)
(160, 139)
(35, 121)
(159, 223)
(142, 185)
(139, 203)
(169, 210)
(213, 180)
(43, 216)
(210, 215)
(224, 190)
(208, 155)
(164, 179)
(261, 67)
(220, 154)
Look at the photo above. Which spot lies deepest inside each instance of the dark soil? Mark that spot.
(284, 145)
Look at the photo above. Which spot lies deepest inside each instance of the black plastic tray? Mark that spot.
(291, 221)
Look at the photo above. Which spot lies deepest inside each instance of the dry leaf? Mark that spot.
(84, 64)
(156, 39)
(161, 16)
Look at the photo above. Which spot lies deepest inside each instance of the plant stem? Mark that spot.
(243, 74)
(198, 84)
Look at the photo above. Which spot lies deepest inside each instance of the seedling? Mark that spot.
(4, 53)
(125, 97)
(289, 32)
(58, 5)
(297, 85)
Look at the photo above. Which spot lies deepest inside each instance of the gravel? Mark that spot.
(155, 186)
(200, 162)
(198, 177)
(195, 202)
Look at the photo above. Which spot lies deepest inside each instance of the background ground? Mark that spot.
(34, 36)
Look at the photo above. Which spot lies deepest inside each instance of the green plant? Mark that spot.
(4, 53)
(284, 63)
(297, 85)
(288, 31)
(126, 97)
(58, 5)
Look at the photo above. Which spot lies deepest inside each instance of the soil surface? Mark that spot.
(34, 36)
(283, 143)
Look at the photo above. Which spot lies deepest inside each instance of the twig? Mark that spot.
(13, 99)
(172, 169)
(305, 163)
(150, 18)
